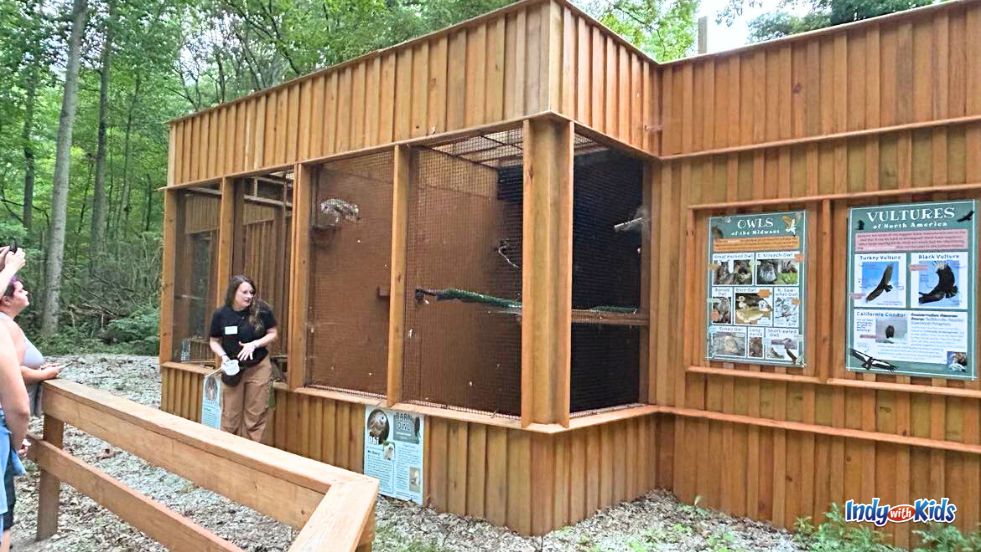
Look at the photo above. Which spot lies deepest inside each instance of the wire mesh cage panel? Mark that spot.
(195, 272)
(262, 238)
(608, 222)
(350, 271)
(605, 366)
(463, 275)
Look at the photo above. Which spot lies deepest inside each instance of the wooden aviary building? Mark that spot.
(503, 225)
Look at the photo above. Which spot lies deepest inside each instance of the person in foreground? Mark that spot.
(14, 404)
(32, 366)
(240, 331)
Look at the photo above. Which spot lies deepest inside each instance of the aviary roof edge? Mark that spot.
(503, 11)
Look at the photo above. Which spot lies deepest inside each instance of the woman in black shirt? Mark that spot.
(241, 330)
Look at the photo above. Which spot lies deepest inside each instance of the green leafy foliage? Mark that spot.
(834, 535)
(819, 14)
(139, 330)
(939, 537)
(664, 29)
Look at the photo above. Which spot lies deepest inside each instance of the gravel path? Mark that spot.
(654, 522)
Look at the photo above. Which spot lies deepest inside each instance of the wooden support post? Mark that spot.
(396, 302)
(236, 223)
(546, 278)
(167, 277)
(299, 283)
(172, 156)
(49, 488)
(226, 236)
(280, 277)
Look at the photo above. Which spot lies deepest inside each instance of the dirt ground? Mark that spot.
(654, 522)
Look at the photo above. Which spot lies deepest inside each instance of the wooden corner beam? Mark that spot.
(167, 270)
(299, 278)
(401, 180)
(546, 278)
(226, 236)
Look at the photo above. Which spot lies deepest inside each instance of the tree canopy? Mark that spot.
(798, 16)
(664, 29)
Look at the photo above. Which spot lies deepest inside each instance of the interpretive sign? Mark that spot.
(757, 288)
(911, 280)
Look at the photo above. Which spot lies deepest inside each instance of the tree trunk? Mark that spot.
(29, 146)
(149, 203)
(59, 192)
(81, 220)
(124, 203)
(97, 245)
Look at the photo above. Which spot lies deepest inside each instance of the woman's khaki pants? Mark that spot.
(244, 407)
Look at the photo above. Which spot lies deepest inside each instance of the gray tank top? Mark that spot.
(33, 359)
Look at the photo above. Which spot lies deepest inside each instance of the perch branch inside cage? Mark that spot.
(637, 224)
(462, 295)
(465, 296)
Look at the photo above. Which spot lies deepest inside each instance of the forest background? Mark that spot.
(87, 88)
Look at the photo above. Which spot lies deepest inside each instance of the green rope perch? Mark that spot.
(464, 296)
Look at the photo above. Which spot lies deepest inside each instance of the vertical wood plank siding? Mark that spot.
(531, 482)
(392, 94)
(862, 107)
(893, 71)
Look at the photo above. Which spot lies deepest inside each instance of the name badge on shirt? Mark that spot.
(231, 330)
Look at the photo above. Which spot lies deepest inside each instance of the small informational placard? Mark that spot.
(211, 401)
(393, 452)
(756, 284)
(911, 278)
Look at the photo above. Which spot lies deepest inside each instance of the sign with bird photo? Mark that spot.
(393, 451)
(911, 278)
(757, 288)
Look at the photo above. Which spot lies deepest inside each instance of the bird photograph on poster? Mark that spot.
(938, 280)
(730, 342)
(732, 271)
(880, 280)
(753, 307)
(957, 361)
(891, 330)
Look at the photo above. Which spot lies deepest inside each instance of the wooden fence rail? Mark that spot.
(333, 508)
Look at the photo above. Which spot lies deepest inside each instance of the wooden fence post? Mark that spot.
(49, 488)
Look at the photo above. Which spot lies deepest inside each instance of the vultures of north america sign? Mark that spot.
(911, 280)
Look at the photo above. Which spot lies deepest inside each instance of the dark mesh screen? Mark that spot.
(605, 366)
(350, 272)
(263, 229)
(608, 221)
(196, 263)
(463, 334)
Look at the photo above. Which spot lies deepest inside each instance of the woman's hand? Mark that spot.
(12, 262)
(247, 350)
(50, 370)
(24, 447)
